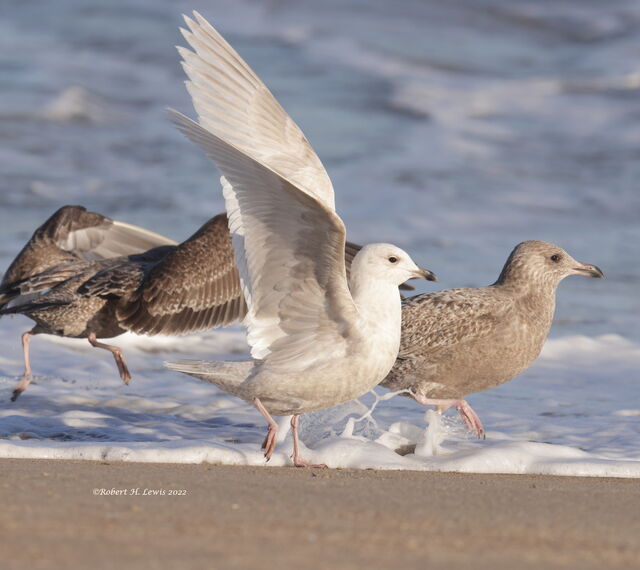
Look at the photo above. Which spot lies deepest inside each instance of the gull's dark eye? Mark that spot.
(393, 259)
(555, 258)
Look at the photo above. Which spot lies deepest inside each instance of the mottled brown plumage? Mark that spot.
(192, 287)
(58, 250)
(168, 289)
(462, 341)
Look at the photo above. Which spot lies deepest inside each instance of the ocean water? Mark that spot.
(454, 129)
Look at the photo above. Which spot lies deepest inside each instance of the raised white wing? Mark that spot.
(235, 105)
(289, 250)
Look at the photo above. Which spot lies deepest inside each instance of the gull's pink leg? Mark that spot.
(297, 460)
(466, 411)
(117, 355)
(468, 414)
(269, 443)
(26, 376)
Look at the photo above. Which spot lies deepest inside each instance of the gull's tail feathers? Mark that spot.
(228, 376)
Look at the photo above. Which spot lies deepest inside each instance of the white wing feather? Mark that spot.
(111, 240)
(235, 105)
(290, 251)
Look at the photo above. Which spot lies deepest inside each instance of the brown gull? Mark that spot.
(317, 339)
(462, 341)
(169, 289)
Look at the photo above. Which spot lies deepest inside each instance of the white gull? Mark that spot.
(317, 339)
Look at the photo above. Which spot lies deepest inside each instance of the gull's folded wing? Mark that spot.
(435, 321)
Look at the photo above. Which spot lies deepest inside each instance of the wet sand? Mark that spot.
(246, 517)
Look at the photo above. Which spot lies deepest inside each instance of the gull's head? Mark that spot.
(388, 263)
(543, 263)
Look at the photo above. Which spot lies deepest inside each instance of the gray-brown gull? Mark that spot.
(317, 339)
(462, 341)
(169, 289)
(71, 236)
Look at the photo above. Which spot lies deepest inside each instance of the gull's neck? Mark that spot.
(527, 286)
(536, 297)
(377, 301)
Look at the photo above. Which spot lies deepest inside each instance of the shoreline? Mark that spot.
(494, 458)
(245, 517)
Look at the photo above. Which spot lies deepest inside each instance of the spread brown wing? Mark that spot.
(197, 287)
(73, 233)
(43, 251)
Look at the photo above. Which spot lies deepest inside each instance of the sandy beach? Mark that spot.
(453, 129)
(74, 514)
